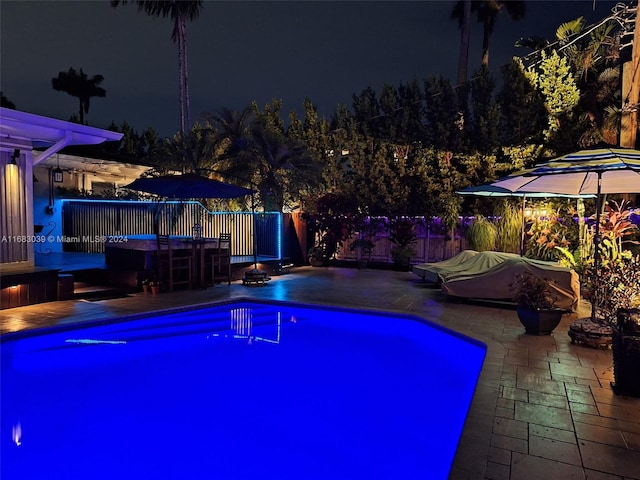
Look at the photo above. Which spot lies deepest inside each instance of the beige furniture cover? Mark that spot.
(430, 272)
(493, 283)
(467, 261)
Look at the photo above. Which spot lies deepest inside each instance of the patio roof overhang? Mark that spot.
(50, 133)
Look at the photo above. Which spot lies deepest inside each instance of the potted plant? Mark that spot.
(363, 248)
(146, 288)
(317, 256)
(155, 286)
(368, 229)
(403, 237)
(535, 300)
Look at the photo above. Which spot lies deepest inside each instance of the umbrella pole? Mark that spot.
(255, 233)
(524, 226)
(596, 245)
(255, 276)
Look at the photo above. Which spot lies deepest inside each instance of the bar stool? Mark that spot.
(175, 269)
(221, 259)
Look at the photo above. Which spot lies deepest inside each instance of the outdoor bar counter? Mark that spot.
(136, 252)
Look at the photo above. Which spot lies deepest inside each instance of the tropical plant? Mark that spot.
(317, 255)
(533, 292)
(482, 234)
(555, 80)
(197, 151)
(403, 237)
(78, 84)
(615, 285)
(282, 167)
(363, 248)
(548, 231)
(179, 12)
(616, 232)
(509, 227)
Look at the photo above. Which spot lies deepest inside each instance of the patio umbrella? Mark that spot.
(597, 171)
(188, 185)
(191, 185)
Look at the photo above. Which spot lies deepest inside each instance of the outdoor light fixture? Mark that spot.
(57, 173)
(57, 176)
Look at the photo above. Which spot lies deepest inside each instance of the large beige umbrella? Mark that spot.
(598, 171)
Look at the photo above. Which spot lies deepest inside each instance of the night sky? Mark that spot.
(244, 51)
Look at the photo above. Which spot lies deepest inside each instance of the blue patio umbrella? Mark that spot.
(188, 185)
(191, 185)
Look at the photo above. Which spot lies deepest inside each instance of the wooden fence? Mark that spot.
(429, 247)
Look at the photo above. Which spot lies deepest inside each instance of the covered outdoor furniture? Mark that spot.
(466, 262)
(495, 283)
(174, 268)
(429, 272)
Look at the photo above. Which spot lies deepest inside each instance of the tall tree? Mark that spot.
(445, 126)
(78, 84)
(484, 132)
(488, 11)
(179, 11)
(524, 115)
(462, 13)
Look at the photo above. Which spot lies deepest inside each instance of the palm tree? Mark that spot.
(179, 11)
(81, 86)
(462, 13)
(283, 167)
(234, 127)
(487, 12)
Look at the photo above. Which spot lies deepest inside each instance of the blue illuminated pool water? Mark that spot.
(235, 391)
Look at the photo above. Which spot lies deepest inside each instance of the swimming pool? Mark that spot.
(234, 391)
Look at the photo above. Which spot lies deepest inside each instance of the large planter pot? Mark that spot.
(626, 353)
(402, 258)
(317, 262)
(539, 322)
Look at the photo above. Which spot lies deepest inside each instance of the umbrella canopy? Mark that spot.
(493, 190)
(573, 184)
(591, 171)
(188, 185)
